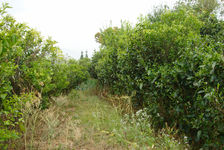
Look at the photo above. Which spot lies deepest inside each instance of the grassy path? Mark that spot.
(83, 121)
(96, 120)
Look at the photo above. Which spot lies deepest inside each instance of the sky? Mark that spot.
(73, 23)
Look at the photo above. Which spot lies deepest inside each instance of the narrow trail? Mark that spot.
(83, 121)
(93, 117)
(79, 123)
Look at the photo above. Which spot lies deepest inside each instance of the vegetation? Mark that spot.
(82, 120)
(104, 127)
(159, 84)
(171, 63)
(32, 70)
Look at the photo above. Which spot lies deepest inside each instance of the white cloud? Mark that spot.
(73, 23)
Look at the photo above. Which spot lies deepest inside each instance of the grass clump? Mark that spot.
(52, 128)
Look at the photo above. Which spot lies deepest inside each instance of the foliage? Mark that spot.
(30, 65)
(77, 72)
(172, 64)
(114, 43)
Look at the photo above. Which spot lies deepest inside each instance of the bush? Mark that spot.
(191, 93)
(173, 65)
(30, 64)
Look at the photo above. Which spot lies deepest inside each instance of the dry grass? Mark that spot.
(53, 128)
(122, 103)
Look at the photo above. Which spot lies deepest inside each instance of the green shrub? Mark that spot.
(173, 65)
(191, 93)
(11, 120)
(30, 64)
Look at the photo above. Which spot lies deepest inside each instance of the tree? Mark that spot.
(87, 54)
(209, 6)
(81, 57)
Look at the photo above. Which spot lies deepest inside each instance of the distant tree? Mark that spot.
(157, 12)
(87, 54)
(81, 57)
(209, 6)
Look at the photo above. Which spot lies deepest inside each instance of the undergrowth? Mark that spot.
(115, 123)
(82, 120)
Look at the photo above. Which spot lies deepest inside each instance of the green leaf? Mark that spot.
(141, 85)
(3, 96)
(198, 135)
(22, 127)
(7, 122)
(14, 38)
(5, 43)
